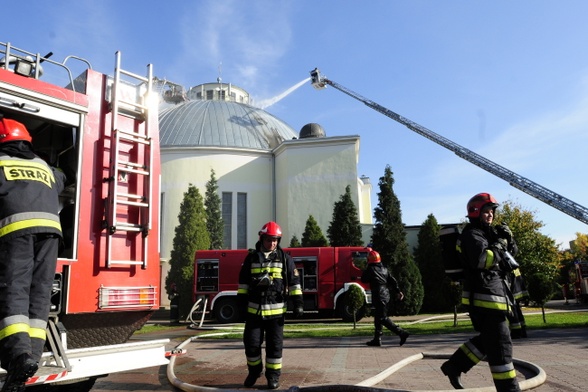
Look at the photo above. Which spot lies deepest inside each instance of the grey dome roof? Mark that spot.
(221, 123)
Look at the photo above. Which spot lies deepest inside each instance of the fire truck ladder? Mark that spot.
(529, 187)
(122, 169)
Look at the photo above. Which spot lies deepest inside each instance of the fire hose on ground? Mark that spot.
(366, 386)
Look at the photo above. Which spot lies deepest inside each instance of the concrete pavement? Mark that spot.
(220, 363)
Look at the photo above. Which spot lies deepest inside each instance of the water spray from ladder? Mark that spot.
(269, 102)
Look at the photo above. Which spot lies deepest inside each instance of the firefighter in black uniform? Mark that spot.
(29, 239)
(485, 253)
(376, 274)
(267, 278)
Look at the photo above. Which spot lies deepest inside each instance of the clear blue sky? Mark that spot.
(506, 79)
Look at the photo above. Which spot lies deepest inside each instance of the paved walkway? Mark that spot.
(561, 353)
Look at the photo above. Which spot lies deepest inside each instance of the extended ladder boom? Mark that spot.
(532, 188)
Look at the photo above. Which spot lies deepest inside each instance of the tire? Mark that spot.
(226, 311)
(345, 312)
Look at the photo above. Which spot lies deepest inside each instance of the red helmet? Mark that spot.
(373, 257)
(478, 202)
(271, 229)
(11, 130)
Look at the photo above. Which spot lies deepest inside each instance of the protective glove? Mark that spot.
(504, 231)
(298, 311)
(501, 245)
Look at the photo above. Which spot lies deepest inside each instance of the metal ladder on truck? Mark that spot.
(136, 216)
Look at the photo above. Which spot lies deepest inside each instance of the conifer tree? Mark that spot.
(389, 239)
(295, 242)
(313, 235)
(214, 218)
(345, 229)
(191, 234)
(428, 258)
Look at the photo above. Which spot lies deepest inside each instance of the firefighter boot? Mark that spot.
(254, 373)
(377, 340)
(403, 336)
(273, 380)
(20, 370)
(453, 374)
(397, 330)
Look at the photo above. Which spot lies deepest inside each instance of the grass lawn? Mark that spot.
(425, 326)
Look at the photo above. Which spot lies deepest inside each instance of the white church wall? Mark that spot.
(311, 175)
(236, 170)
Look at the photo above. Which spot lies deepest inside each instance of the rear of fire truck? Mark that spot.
(102, 132)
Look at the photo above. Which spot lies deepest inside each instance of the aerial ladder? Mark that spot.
(547, 196)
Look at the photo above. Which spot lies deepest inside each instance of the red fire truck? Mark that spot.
(102, 133)
(326, 273)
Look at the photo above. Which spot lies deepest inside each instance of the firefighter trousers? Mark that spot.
(27, 270)
(256, 329)
(381, 319)
(494, 344)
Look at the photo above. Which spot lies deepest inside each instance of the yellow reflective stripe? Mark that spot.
(508, 375)
(489, 259)
(470, 354)
(503, 372)
(276, 271)
(12, 227)
(267, 312)
(254, 362)
(274, 366)
(242, 290)
(37, 333)
(14, 329)
(490, 305)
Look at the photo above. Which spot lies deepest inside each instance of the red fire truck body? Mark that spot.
(326, 273)
(101, 133)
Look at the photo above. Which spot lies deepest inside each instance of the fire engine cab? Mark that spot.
(326, 273)
(101, 132)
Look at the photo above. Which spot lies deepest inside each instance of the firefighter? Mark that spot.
(30, 233)
(484, 251)
(268, 277)
(376, 274)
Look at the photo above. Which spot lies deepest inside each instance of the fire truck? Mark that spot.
(326, 274)
(581, 281)
(102, 132)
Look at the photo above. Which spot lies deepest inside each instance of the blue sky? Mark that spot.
(506, 79)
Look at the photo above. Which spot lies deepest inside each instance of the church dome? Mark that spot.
(221, 123)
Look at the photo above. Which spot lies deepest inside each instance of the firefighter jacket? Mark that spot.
(376, 274)
(266, 283)
(29, 190)
(486, 270)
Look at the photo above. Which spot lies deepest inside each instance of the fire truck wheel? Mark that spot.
(346, 313)
(227, 311)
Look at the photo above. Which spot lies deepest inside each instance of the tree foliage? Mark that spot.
(428, 258)
(345, 229)
(214, 218)
(313, 235)
(355, 300)
(294, 242)
(191, 234)
(538, 253)
(389, 239)
(541, 289)
(579, 247)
